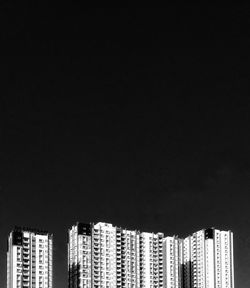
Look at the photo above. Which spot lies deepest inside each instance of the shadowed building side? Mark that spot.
(79, 256)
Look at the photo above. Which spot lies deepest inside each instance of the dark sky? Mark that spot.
(136, 116)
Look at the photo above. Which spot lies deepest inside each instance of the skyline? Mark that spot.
(41, 232)
(135, 116)
(30, 257)
(101, 254)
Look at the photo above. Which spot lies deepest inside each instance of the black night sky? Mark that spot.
(136, 116)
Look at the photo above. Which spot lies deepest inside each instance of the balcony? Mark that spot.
(26, 262)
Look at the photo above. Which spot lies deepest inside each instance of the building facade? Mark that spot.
(116, 257)
(80, 256)
(172, 251)
(29, 259)
(105, 256)
(151, 260)
(208, 259)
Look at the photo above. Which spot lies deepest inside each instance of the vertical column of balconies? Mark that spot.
(33, 259)
(176, 262)
(194, 261)
(181, 248)
(26, 262)
(227, 267)
(210, 273)
(124, 259)
(111, 242)
(151, 259)
(50, 261)
(217, 257)
(119, 263)
(127, 273)
(201, 259)
(79, 260)
(85, 261)
(18, 270)
(157, 260)
(138, 261)
(133, 267)
(180, 264)
(160, 257)
(142, 261)
(96, 258)
(110, 256)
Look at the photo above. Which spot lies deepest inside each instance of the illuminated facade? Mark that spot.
(104, 256)
(127, 258)
(29, 259)
(172, 266)
(151, 260)
(208, 259)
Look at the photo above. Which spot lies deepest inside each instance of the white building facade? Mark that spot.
(116, 257)
(127, 258)
(105, 256)
(208, 259)
(151, 260)
(172, 250)
(29, 259)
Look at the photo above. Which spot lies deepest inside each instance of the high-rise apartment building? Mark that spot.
(80, 256)
(102, 255)
(208, 259)
(172, 250)
(29, 259)
(151, 260)
(127, 258)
